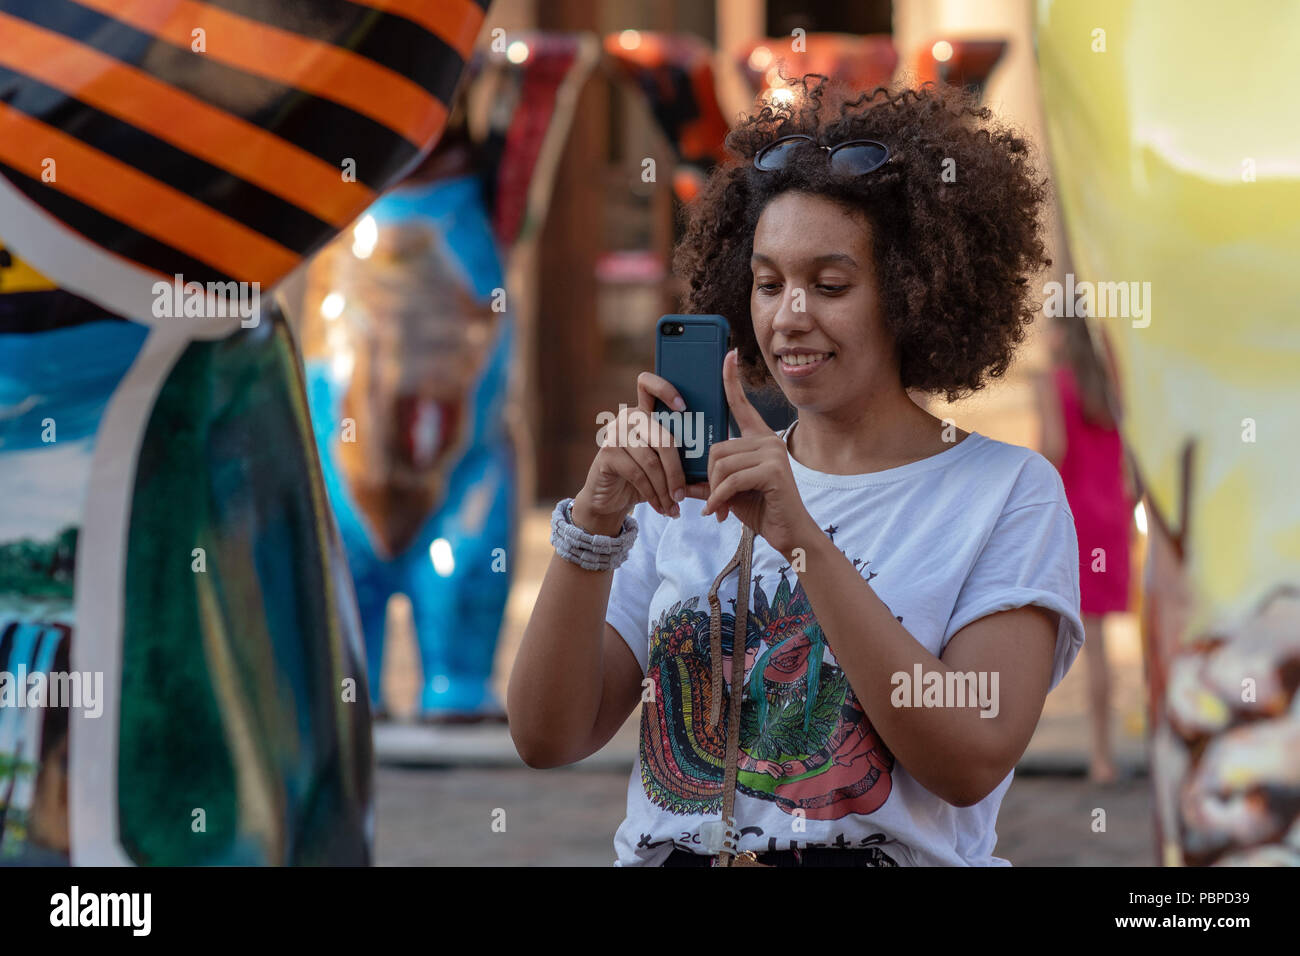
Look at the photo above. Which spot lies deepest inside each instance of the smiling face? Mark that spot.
(837, 353)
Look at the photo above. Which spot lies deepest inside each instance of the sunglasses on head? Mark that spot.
(855, 157)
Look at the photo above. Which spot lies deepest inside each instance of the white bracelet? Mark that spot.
(595, 552)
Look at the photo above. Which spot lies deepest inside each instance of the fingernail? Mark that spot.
(677, 512)
(679, 494)
(680, 404)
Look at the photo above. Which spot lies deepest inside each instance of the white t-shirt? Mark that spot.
(981, 527)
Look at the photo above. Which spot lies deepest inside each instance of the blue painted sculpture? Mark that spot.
(409, 343)
(407, 388)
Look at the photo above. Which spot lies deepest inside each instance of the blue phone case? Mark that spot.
(692, 362)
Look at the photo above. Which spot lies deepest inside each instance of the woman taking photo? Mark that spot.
(860, 249)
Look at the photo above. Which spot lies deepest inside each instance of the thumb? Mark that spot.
(748, 420)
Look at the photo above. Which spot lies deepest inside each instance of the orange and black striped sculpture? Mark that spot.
(143, 139)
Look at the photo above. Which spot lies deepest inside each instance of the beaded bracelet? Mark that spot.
(595, 552)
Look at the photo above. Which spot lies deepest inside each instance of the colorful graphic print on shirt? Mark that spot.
(805, 742)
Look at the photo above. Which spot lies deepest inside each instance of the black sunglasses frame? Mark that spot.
(831, 151)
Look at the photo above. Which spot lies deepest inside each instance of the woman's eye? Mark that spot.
(831, 289)
(767, 288)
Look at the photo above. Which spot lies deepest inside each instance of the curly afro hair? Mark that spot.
(953, 259)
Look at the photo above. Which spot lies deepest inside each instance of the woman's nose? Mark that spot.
(793, 313)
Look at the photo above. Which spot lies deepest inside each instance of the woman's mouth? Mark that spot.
(799, 365)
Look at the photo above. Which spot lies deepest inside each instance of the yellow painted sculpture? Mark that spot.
(1176, 144)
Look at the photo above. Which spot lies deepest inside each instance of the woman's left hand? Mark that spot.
(751, 476)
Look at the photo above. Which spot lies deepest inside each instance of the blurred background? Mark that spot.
(585, 125)
(459, 216)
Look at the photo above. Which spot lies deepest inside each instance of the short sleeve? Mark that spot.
(635, 583)
(1031, 558)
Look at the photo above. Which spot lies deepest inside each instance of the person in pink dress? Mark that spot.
(1079, 436)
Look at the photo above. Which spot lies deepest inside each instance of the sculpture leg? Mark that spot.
(257, 637)
(458, 594)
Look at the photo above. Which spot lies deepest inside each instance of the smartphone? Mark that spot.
(689, 350)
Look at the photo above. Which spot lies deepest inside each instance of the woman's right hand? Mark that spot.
(645, 466)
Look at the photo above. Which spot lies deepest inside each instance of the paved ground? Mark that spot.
(429, 817)
(437, 789)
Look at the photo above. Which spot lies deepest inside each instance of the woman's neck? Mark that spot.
(886, 434)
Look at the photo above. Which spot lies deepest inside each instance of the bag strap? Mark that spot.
(744, 559)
